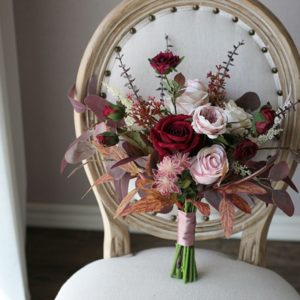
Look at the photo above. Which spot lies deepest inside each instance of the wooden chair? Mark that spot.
(202, 31)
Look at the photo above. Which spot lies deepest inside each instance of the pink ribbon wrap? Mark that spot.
(186, 228)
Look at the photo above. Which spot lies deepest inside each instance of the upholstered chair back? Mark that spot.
(202, 31)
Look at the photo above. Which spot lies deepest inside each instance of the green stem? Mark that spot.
(173, 96)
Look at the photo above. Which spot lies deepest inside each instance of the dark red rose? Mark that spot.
(165, 62)
(245, 150)
(175, 134)
(269, 114)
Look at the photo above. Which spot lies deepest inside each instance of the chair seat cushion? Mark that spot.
(146, 275)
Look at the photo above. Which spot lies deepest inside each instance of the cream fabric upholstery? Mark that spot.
(146, 276)
(204, 39)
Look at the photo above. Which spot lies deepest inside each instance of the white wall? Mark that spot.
(51, 37)
(13, 277)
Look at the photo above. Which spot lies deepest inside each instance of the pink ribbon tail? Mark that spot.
(186, 228)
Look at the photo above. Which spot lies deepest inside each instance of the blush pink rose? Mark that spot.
(195, 94)
(210, 120)
(209, 165)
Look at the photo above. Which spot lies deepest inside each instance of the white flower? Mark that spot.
(210, 120)
(239, 119)
(194, 95)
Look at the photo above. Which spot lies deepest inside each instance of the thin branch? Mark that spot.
(129, 77)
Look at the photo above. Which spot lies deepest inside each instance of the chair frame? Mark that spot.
(102, 46)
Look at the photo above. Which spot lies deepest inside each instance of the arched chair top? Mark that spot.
(203, 32)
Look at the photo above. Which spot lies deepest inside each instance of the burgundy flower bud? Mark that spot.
(115, 112)
(108, 138)
(165, 62)
(245, 150)
(269, 115)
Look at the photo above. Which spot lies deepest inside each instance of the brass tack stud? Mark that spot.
(132, 30)
(151, 18)
(103, 95)
(280, 93)
(118, 49)
(252, 32)
(196, 7)
(173, 9)
(235, 19)
(205, 218)
(216, 11)
(107, 73)
(274, 70)
(173, 218)
(264, 49)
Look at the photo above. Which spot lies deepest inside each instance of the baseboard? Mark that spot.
(87, 217)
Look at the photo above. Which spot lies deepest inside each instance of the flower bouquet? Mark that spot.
(191, 147)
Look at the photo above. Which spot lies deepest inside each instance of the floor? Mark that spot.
(53, 255)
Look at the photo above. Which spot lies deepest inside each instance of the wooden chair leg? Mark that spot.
(116, 235)
(254, 240)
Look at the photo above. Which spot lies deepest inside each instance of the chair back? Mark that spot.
(202, 31)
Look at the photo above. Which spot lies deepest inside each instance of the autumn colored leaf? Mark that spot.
(143, 183)
(226, 210)
(240, 203)
(152, 202)
(117, 154)
(246, 187)
(125, 201)
(204, 208)
(102, 179)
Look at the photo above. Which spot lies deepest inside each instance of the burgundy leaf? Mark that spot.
(213, 198)
(249, 101)
(132, 150)
(92, 86)
(166, 210)
(124, 161)
(121, 186)
(180, 79)
(255, 165)
(96, 104)
(267, 198)
(154, 159)
(116, 173)
(80, 149)
(63, 165)
(283, 200)
(289, 181)
(279, 171)
(77, 105)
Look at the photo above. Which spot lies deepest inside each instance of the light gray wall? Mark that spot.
(51, 37)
